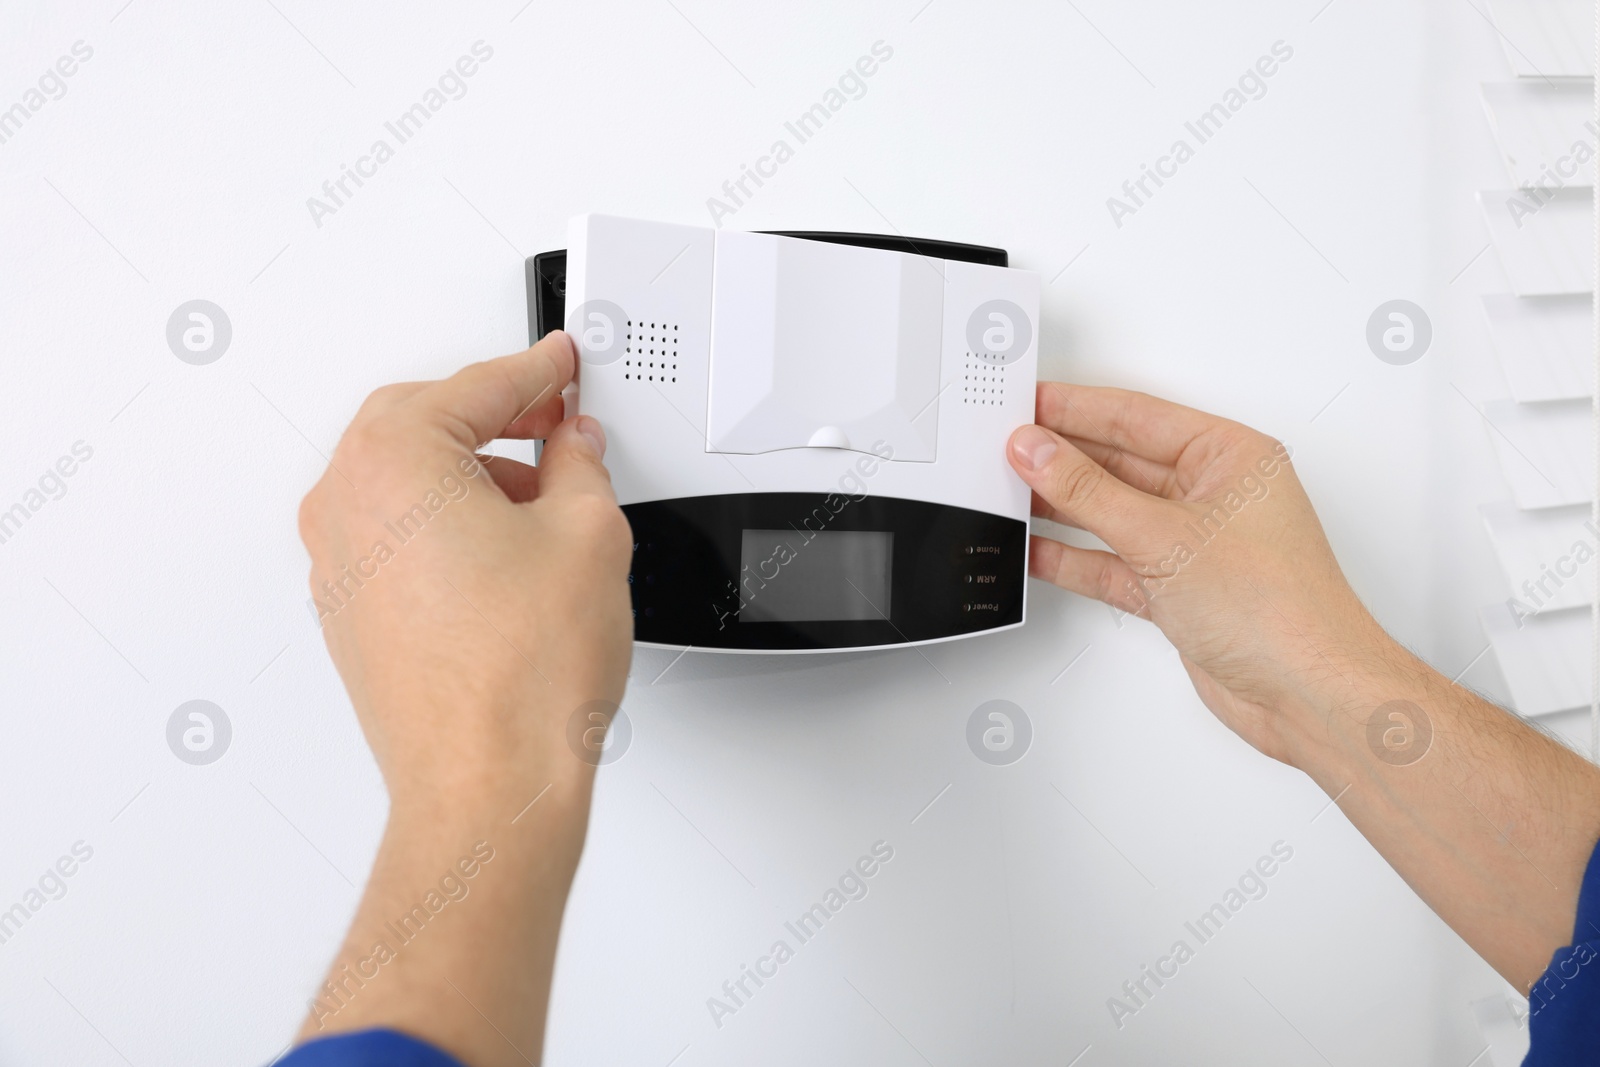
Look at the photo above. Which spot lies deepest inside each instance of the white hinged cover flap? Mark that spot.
(823, 345)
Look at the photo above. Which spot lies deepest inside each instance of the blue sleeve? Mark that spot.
(367, 1048)
(1564, 1005)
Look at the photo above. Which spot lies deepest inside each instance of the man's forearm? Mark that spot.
(1489, 820)
(455, 937)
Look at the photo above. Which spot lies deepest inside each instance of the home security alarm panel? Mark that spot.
(807, 432)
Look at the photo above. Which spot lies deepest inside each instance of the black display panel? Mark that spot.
(950, 571)
(834, 575)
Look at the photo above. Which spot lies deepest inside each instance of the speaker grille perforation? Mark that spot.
(983, 383)
(651, 352)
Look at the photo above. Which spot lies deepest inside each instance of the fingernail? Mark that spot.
(592, 431)
(1034, 446)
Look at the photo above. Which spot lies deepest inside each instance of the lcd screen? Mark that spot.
(804, 576)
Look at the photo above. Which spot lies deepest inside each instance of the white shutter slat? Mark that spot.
(1545, 344)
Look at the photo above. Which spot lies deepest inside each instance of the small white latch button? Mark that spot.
(829, 437)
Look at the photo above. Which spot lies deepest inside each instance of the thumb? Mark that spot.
(1081, 490)
(570, 464)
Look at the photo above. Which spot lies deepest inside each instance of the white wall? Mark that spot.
(177, 166)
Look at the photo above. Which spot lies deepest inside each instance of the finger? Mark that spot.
(571, 461)
(1101, 576)
(1157, 479)
(1143, 425)
(1045, 510)
(517, 480)
(478, 403)
(1080, 489)
(538, 423)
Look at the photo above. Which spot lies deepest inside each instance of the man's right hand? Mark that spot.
(1214, 540)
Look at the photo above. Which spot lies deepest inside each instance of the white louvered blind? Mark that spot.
(1542, 226)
